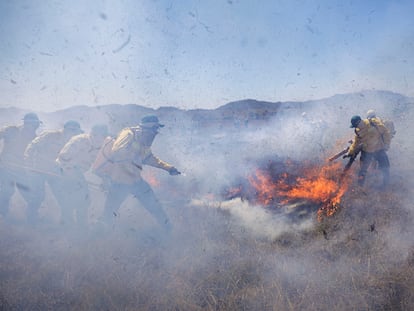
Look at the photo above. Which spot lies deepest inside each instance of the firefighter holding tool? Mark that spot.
(120, 162)
(373, 139)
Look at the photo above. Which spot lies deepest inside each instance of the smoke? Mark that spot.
(256, 220)
(221, 248)
(217, 158)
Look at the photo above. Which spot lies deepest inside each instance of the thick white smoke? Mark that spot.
(223, 243)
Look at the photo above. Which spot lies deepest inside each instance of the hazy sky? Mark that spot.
(200, 54)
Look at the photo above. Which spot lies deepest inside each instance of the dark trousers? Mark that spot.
(142, 191)
(10, 180)
(72, 197)
(37, 192)
(383, 165)
(71, 194)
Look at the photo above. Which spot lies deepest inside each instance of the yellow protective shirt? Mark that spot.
(42, 152)
(15, 140)
(78, 154)
(122, 158)
(371, 136)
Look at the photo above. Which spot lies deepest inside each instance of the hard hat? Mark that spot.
(31, 117)
(150, 121)
(355, 121)
(72, 125)
(371, 114)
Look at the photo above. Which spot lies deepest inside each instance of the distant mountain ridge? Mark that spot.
(119, 115)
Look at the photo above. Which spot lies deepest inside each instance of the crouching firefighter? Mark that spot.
(119, 163)
(373, 139)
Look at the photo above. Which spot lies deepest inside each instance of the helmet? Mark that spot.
(31, 117)
(371, 114)
(150, 122)
(355, 121)
(72, 125)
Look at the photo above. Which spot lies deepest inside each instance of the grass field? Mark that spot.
(359, 259)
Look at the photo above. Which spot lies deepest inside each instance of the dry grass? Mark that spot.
(357, 260)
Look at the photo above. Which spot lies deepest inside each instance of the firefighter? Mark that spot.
(74, 160)
(373, 140)
(120, 162)
(12, 174)
(371, 115)
(40, 158)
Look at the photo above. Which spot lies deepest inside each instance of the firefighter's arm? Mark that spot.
(8, 131)
(68, 156)
(354, 146)
(30, 154)
(158, 163)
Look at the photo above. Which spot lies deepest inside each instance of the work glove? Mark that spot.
(173, 171)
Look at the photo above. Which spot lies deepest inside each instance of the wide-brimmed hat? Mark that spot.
(74, 126)
(150, 122)
(31, 117)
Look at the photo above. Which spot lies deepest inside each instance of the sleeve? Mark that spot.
(33, 148)
(355, 145)
(103, 161)
(30, 153)
(154, 161)
(68, 155)
(7, 132)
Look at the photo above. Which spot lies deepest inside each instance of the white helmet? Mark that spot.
(371, 114)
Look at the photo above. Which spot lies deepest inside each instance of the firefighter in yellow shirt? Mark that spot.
(12, 173)
(74, 160)
(40, 158)
(373, 139)
(120, 162)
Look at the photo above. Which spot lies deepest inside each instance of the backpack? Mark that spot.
(387, 123)
(390, 126)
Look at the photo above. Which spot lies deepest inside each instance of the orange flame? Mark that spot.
(318, 184)
(265, 189)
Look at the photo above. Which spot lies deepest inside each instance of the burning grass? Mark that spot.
(287, 182)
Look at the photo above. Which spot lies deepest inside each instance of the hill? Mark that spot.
(228, 251)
